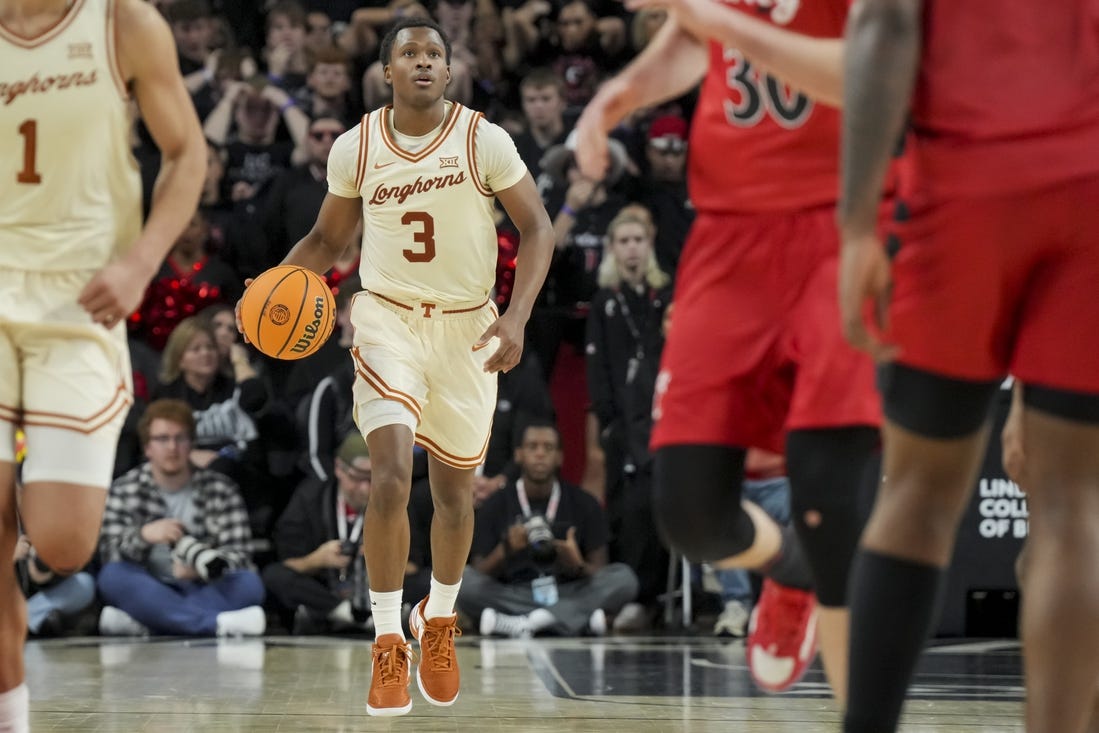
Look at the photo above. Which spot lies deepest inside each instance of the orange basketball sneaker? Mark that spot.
(437, 674)
(389, 677)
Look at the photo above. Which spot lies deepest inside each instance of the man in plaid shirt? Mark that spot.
(176, 542)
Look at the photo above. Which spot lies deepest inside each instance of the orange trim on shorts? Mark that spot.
(364, 138)
(471, 153)
(417, 157)
(449, 458)
(45, 36)
(378, 384)
(65, 416)
(124, 404)
(11, 414)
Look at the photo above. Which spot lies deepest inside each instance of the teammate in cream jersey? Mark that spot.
(74, 262)
(66, 204)
(428, 202)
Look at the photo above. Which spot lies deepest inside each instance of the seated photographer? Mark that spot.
(175, 543)
(540, 553)
(321, 577)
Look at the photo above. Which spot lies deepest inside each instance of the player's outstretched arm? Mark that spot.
(147, 55)
(672, 64)
(331, 234)
(524, 205)
(882, 60)
(811, 65)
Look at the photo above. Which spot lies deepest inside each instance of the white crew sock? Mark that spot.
(386, 610)
(441, 600)
(15, 710)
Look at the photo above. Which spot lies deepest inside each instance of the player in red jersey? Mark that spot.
(755, 357)
(995, 273)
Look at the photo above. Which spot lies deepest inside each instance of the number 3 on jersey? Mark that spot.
(29, 131)
(425, 236)
(761, 94)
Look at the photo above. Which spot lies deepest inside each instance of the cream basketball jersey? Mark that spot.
(70, 192)
(428, 231)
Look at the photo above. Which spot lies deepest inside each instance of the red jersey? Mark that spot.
(1007, 97)
(757, 145)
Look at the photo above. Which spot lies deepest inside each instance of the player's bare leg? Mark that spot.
(64, 540)
(13, 609)
(452, 524)
(833, 632)
(433, 621)
(899, 569)
(385, 522)
(385, 545)
(1061, 602)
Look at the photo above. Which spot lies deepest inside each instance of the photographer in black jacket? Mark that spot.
(320, 576)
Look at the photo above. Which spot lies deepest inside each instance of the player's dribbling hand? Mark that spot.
(114, 292)
(864, 290)
(510, 333)
(236, 311)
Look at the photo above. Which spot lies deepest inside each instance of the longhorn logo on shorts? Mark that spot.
(279, 314)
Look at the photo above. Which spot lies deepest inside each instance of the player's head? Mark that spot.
(390, 38)
(416, 58)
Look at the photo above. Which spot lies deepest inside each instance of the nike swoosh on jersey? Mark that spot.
(378, 166)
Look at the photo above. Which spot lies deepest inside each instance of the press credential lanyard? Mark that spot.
(551, 508)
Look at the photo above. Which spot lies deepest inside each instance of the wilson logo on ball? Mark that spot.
(279, 314)
(304, 344)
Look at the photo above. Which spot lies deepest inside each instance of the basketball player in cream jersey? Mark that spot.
(74, 262)
(422, 174)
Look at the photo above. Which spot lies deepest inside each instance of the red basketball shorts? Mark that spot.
(1004, 284)
(755, 347)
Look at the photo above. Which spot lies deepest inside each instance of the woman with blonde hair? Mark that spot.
(624, 342)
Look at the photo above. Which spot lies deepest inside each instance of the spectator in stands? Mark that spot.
(328, 85)
(176, 543)
(540, 553)
(665, 190)
(296, 194)
(624, 341)
(285, 50)
(542, 94)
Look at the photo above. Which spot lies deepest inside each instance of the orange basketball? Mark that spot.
(288, 312)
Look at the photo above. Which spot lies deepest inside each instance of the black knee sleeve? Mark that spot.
(828, 471)
(1068, 405)
(696, 501)
(933, 405)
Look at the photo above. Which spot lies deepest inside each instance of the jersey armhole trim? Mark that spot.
(364, 135)
(112, 50)
(471, 153)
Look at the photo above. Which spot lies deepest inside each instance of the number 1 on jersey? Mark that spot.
(29, 131)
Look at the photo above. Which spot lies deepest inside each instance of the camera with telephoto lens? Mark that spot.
(540, 539)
